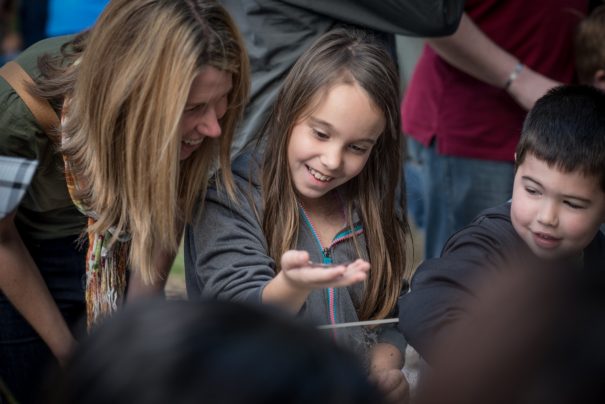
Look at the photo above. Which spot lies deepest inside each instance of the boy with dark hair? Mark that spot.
(553, 219)
(589, 48)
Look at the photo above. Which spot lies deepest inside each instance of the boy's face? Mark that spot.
(557, 214)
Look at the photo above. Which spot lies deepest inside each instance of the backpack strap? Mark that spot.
(40, 108)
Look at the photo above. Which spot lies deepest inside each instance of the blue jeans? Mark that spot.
(24, 357)
(456, 190)
(414, 184)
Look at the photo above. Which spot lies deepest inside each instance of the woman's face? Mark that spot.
(206, 105)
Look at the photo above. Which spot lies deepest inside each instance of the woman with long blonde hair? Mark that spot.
(148, 102)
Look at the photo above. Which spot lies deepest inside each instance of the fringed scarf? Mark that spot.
(106, 263)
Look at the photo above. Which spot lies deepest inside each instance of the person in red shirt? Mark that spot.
(467, 99)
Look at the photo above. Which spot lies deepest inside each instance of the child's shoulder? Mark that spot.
(244, 203)
(247, 167)
(492, 229)
(245, 170)
(496, 215)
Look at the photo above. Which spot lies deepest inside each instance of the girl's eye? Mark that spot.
(319, 134)
(531, 191)
(358, 149)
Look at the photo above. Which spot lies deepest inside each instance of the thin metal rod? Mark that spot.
(358, 323)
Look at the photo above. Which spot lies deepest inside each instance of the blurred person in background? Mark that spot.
(465, 104)
(589, 47)
(277, 32)
(10, 39)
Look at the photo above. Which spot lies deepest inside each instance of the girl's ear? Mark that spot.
(515, 157)
(598, 79)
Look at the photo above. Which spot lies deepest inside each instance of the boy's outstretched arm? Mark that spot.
(445, 290)
(434, 302)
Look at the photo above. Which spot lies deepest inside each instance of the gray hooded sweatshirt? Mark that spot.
(226, 257)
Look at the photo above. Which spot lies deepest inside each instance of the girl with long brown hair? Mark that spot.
(148, 102)
(322, 193)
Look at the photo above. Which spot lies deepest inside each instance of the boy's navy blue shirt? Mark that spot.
(441, 285)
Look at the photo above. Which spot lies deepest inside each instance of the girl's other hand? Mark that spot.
(304, 275)
(393, 385)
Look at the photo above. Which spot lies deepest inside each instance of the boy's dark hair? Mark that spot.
(566, 129)
(589, 45)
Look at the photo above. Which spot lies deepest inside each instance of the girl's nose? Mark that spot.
(332, 158)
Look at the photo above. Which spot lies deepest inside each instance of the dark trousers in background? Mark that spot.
(24, 357)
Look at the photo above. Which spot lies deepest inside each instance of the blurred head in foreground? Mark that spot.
(531, 334)
(209, 352)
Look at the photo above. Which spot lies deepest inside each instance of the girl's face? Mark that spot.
(206, 105)
(332, 144)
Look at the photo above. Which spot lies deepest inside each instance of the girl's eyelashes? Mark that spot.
(319, 134)
(358, 149)
(532, 191)
(355, 148)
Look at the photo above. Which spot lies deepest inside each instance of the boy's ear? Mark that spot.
(515, 157)
(599, 79)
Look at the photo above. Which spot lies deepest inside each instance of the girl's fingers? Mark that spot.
(350, 280)
(326, 277)
(294, 259)
(298, 269)
(319, 276)
(359, 265)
